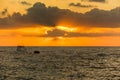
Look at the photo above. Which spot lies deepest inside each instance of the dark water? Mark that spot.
(60, 63)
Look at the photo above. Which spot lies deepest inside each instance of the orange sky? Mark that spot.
(29, 37)
(66, 32)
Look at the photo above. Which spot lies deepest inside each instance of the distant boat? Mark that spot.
(21, 49)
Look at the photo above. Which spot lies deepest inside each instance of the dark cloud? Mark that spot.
(4, 12)
(80, 5)
(14, 21)
(77, 34)
(101, 1)
(61, 33)
(25, 3)
(39, 14)
(55, 33)
(102, 18)
(97, 0)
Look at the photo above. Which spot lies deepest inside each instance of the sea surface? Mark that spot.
(60, 63)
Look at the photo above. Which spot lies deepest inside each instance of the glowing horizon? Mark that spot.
(75, 23)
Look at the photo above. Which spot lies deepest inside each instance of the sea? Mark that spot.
(59, 63)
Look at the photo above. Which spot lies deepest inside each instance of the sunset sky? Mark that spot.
(60, 22)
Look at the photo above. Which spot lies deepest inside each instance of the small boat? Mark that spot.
(21, 49)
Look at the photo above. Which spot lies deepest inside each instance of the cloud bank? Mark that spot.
(80, 5)
(62, 33)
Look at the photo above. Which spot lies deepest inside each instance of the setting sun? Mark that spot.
(66, 28)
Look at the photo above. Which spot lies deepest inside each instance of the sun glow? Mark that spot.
(66, 28)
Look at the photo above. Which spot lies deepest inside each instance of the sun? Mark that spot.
(68, 29)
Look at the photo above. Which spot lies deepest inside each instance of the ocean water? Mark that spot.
(60, 63)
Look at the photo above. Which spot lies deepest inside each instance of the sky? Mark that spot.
(60, 22)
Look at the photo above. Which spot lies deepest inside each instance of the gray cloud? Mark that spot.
(25, 3)
(55, 33)
(74, 34)
(61, 33)
(101, 1)
(80, 5)
(58, 33)
(50, 16)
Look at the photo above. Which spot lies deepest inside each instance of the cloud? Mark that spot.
(61, 33)
(4, 12)
(55, 33)
(101, 1)
(77, 34)
(25, 3)
(80, 5)
(39, 14)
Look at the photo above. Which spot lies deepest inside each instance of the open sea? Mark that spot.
(60, 63)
